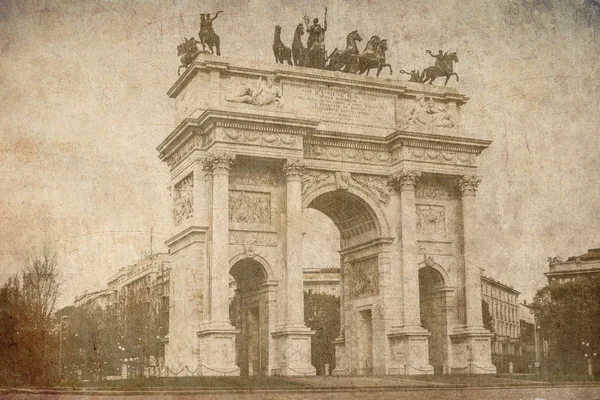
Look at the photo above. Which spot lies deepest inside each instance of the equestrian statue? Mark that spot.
(188, 51)
(444, 66)
(207, 34)
(346, 60)
(282, 52)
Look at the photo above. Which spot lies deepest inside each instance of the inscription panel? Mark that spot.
(341, 104)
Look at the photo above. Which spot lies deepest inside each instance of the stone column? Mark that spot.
(405, 182)
(471, 352)
(216, 338)
(294, 279)
(292, 336)
(219, 166)
(468, 188)
(409, 341)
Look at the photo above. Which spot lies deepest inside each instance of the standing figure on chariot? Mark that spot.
(315, 43)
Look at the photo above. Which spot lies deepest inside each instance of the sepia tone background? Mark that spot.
(83, 90)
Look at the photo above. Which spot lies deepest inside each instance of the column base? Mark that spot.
(293, 351)
(216, 345)
(409, 351)
(471, 351)
(341, 363)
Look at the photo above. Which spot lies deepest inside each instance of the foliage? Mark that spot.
(568, 316)
(322, 314)
(28, 335)
(486, 316)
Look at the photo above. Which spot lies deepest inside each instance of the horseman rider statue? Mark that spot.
(439, 58)
(206, 28)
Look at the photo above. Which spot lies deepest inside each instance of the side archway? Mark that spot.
(249, 313)
(435, 300)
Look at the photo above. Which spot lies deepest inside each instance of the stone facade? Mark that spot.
(400, 187)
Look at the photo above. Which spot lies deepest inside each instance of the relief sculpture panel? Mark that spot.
(431, 220)
(249, 207)
(364, 277)
(183, 199)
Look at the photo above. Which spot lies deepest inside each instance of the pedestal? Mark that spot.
(471, 352)
(293, 352)
(216, 344)
(410, 352)
(341, 362)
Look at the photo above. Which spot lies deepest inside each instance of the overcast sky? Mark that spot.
(83, 90)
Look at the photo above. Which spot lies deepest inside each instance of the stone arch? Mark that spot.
(250, 313)
(435, 302)
(267, 269)
(376, 209)
(441, 270)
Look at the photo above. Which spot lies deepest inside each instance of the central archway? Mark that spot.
(360, 347)
(250, 314)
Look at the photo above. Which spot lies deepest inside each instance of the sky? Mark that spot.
(83, 107)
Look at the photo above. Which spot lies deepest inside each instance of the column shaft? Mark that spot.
(294, 268)
(219, 266)
(468, 187)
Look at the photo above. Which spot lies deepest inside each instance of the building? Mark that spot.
(322, 281)
(503, 304)
(576, 266)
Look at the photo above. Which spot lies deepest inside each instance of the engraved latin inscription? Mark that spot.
(341, 105)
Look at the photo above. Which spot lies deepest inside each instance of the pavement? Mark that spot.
(334, 388)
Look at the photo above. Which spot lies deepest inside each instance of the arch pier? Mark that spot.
(387, 161)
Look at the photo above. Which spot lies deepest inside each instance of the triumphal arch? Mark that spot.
(387, 161)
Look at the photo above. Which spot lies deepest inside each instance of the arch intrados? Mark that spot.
(446, 280)
(373, 208)
(254, 260)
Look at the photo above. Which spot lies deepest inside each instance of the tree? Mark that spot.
(486, 316)
(568, 315)
(29, 344)
(322, 314)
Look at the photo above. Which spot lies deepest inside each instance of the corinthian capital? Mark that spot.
(405, 179)
(468, 184)
(218, 163)
(294, 169)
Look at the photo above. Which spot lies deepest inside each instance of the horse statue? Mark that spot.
(366, 61)
(299, 52)
(281, 51)
(346, 60)
(444, 66)
(188, 51)
(415, 75)
(207, 34)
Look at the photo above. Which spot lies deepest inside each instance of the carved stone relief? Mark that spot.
(431, 220)
(253, 238)
(249, 174)
(347, 154)
(376, 185)
(441, 156)
(424, 111)
(312, 179)
(274, 139)
(249, 207)
(435, 248)
(433, 190)
(364, 277)
(182, 152)
(183, 199)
